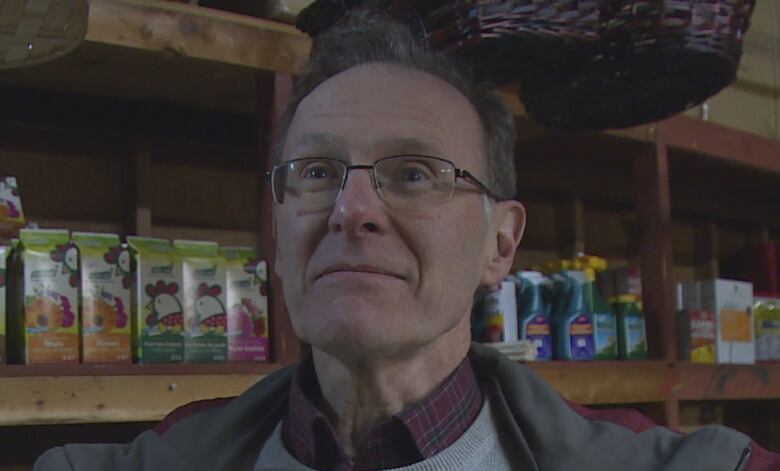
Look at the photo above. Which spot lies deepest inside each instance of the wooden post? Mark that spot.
(706, 251)
(570, 221)
(139, 192)
(273, 92)
(651, 177)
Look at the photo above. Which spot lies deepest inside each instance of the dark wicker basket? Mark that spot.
(652, 59)
(582, 64)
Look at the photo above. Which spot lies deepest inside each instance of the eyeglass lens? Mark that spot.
(401, 181)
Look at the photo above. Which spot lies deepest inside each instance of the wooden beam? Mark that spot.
(570, 227)
(273, 92)
(720, 142)
(182, 30)
(706, 251)
(651, 177)
(141, 189)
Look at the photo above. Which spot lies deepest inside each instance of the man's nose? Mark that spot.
(358, 210)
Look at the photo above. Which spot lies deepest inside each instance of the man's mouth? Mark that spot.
(369, 270)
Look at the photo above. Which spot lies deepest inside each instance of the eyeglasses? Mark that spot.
(402, 181)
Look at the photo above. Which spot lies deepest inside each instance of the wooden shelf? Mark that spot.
(199, 33)
(606, 382)
(696, 382)
(154, 50)
(69, 394)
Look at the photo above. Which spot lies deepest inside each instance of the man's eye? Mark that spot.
(413, 174)
(316, 172)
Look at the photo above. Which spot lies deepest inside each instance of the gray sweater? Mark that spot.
(537, 429)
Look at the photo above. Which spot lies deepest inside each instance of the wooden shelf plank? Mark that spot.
(201, 33)
(31, 395)
(43, 370)
(31, 400)
(695, 382)
(606, 382)
(720, 142)
(61, 394)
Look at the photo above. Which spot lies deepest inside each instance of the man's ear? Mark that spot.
(510, 226)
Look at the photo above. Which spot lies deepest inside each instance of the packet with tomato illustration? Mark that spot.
(105, 298)
(157, 312)
(11, 215)
(205, 316)
(44, 324)
(247, 301)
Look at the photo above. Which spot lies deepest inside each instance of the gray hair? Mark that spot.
(368, 37)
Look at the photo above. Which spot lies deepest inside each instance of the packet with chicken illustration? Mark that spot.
(247, 302)
(44, 324)
(11, 215)
(105, 298)
(156, 299)
(205, 316)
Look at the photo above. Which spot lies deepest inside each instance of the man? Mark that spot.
(393, 204)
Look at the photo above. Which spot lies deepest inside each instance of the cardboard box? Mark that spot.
(247, 302)
(105, 298)
(45, 320)
(205, 315)
(696, 327)
(731, 301)
(156, 293)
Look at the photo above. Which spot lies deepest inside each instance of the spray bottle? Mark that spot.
(572, 321)
(605, 333)
(533, 316)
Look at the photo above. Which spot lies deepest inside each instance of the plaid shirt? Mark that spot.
(415, 434)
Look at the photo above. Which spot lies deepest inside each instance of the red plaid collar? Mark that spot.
(415, 434)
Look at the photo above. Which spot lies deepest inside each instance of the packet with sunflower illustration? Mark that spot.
(247, 303)
(105, 298)
(156, 299)
(205, 316)
(11, 215)
(44, 324)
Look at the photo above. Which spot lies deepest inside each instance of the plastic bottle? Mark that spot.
(533, 316)
(632, 338)
(496, 321)
(605, 329)
(573, 323)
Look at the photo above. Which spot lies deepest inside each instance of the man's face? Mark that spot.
(363, 278)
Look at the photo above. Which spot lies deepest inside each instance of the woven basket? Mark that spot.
(652, 59)
(582, 64)
(34, 31)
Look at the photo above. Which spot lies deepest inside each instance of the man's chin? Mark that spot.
(355, 340)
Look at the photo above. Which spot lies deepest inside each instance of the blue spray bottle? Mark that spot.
(533, 315)
(574, 321)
